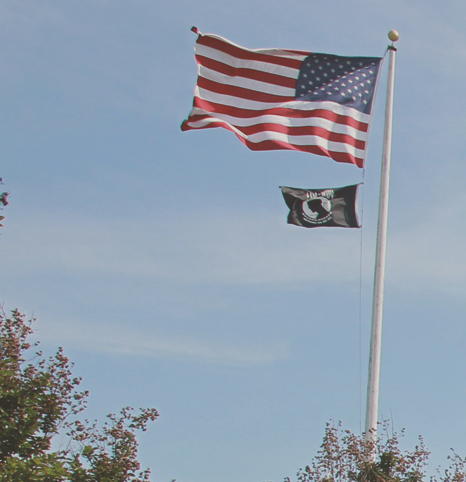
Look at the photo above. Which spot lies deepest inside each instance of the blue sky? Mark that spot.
(162, 262)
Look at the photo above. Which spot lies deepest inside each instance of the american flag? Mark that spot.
(285, 99)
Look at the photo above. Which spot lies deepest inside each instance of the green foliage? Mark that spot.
(37, 399)
(39, 468)
(346, 457)
(3, 201)
(109, 454)
(456, 472)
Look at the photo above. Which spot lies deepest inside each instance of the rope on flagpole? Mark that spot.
(360, 295)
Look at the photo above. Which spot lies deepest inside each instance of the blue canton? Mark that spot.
(349, 81)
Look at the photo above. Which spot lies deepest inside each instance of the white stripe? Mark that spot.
(274, 52)
(238, 81)
(306, 141)
(284, 121)
(295, 104)
(227, 59)
(294, 140)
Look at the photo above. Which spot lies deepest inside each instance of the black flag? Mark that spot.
(312, 208)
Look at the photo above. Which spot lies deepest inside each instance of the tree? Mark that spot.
(3, 201)
(345, 457)
(38, 399)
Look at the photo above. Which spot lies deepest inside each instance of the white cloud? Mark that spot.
(127, 341)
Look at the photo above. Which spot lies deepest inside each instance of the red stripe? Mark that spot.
(269, 145)
(245, 54)
(280, 111)
(299, 52)
(278, 145)
(291, 131)
(242, 92)
(247, 73)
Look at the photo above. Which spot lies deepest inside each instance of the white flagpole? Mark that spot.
(377, 306)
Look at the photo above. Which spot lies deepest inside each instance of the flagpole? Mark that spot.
(379, 274)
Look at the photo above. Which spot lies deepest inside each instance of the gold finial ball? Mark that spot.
(393, 35)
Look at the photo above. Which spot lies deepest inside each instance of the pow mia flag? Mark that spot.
(312, 208)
